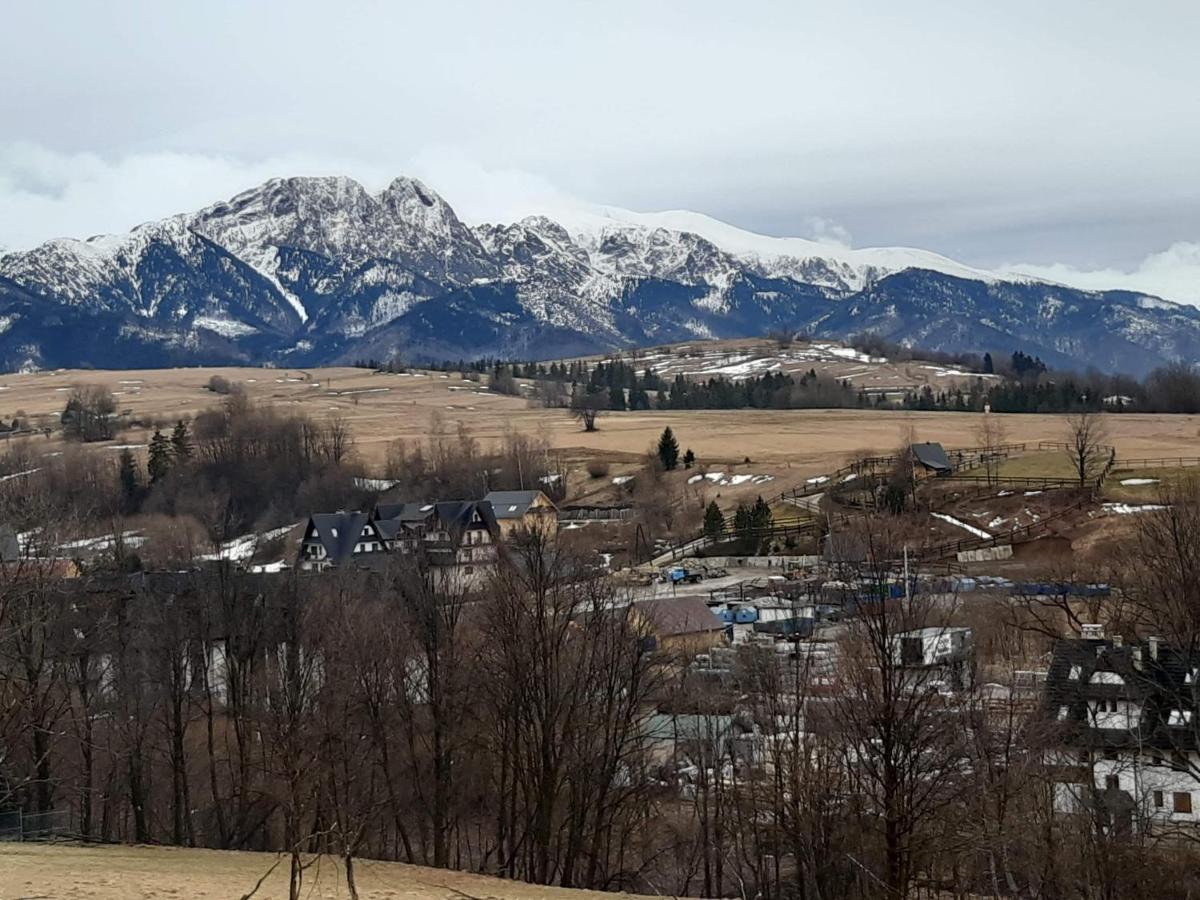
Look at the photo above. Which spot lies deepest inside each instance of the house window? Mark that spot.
(1183, 802)
(1112, 782)
(1075, 672)
(1158, 799)
(1179, 717)
(1063, 712)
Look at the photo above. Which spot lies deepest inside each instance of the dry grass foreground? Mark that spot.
(382, 408)
(71, 872)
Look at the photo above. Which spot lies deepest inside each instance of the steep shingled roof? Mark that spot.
(512, 504)
(932, 456)
(339, 532)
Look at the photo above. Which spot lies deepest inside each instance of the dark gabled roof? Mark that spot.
(1157, 685)
(679, 615)
(456, 515)
(512, 504)
(931, 456)
(408, 513)
(388, 528)
(339, 532)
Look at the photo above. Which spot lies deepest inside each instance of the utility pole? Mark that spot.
(907, 591)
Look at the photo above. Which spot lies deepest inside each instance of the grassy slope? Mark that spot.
(69, 872)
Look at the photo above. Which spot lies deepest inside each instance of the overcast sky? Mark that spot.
(1062, 137)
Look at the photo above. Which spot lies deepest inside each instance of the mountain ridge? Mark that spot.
(303, 271)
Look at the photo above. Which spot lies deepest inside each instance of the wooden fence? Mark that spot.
(1158, 462)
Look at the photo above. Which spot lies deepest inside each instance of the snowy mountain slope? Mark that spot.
(827, 264)
(312, 270)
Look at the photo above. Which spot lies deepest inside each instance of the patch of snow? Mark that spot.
(1128, 509)
(819, 479)
(622, 479)
(229, 328)
(18, 474)
(978, 532)
(245, 546)
(1133, 482)
(373, 484)
(104, 542)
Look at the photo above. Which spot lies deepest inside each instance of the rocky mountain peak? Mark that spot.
(307, 270)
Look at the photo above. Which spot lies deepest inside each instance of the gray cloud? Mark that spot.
(1063, 135)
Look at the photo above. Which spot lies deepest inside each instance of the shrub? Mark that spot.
(597, 468)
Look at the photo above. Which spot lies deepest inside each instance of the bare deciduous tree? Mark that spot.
(989, 438)
(1087, 445)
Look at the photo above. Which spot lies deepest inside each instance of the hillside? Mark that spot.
(317, 271)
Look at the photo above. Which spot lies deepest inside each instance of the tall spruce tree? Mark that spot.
(668, 449)
(129, 480)
(181, 442)
(714, 520)
(158, 462)
(616, 398)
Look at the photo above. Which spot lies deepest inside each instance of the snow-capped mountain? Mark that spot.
(315, 270)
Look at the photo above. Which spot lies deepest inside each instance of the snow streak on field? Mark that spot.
(978, 532)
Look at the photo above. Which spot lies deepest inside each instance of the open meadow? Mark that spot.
(382, 408)
(90, 872)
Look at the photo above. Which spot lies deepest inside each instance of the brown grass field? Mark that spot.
(69, 872)
(791, 444)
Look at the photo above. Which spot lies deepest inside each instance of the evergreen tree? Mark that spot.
(989, 367)
(761, 518)
(130, 481)
(714, 520)
(158, 463)
(181, 443)
(741, 521)
(616, 398)
(668, 449)
(689, 458)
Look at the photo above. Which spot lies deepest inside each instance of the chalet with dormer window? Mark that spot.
(1125, 718)
(335, 539)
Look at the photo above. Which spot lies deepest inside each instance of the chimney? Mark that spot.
(1118, 641)
(1137, 657)
(1153, 643)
